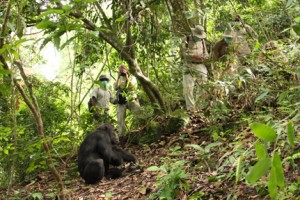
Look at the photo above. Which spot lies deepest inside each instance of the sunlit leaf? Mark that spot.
(121, 19)
(258, 170)
(195, 146)
(19, 42)
(37, 195)
(296, 28)
(45, 24)
(153, 168)
(51, 11)
(238, 169)
(5, 151)
(289, 3)
(291, 134)
(263, 132)
(4, 71)
(277, 164)
(297, 19)
(260, 150)
(261, 96)
(272, 187)
(207, 148)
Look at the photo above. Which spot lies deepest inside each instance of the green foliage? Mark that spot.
(266, 163)
(260, 150)
(28, 155)
(259, 169)
(264, 132)
(291, 134)
(37, 195)
(265, 91)
(238, 169)
(170, 181)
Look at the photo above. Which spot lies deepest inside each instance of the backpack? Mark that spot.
(90, 105)
(121, 99)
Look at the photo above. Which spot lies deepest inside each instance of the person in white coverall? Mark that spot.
(100, 99)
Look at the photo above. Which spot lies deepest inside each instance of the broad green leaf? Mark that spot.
(258, 170)
(61, 139)
(291, 134)
(5, 151)
(4, 71)
(260, 150)
(120, 19)
(272, 186)
(215, 144)
(19, 42)
(261, 96)
(51, 11)
(289, 3)
(238, 169)
(66, 8)
(296, 28)
(5, 48)
(263, 131)
(153, 168)
(45, 24)
(297, 19)
(277, 164)
(195, 146)
(37, 195)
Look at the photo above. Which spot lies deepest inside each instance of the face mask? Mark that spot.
(238, 24)
(196, 39)
(104, 83)
(228, 40)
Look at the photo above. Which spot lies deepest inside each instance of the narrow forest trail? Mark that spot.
(211, 174)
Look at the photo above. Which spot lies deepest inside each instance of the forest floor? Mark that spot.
(210, 173)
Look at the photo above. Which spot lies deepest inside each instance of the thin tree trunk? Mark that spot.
(35, 110)
(15, 135)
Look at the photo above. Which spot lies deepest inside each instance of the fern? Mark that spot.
(292, 157)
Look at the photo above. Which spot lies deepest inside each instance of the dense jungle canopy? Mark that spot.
(245, 143)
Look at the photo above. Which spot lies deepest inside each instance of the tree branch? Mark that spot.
(106, 20)
(5, 21)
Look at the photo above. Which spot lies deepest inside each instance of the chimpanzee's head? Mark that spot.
(110, 130)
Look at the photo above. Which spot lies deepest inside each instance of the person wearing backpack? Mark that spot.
(126, 97)
(194, 53)
(99, 102)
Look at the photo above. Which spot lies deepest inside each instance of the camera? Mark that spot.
(123, 74)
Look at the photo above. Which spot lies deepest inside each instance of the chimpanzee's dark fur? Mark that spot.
(98, 151)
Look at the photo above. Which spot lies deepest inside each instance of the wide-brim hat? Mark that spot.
(199, 31)
(228, 34)
(103, 77)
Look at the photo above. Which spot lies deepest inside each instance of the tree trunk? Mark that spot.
(182, 24)
(35, 110)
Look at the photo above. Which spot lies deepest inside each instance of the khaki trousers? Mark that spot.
(133, 106)
(194, 76)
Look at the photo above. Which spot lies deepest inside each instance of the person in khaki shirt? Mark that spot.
(226, 51)
(194, 53)
(243, 35)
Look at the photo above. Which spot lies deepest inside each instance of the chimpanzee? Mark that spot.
(98, 151)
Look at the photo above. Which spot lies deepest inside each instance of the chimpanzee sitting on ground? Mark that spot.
(98, 151)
